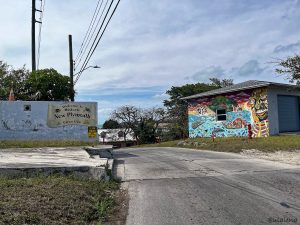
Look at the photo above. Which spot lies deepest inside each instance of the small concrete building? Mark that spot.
(271, 108)
(117, 137)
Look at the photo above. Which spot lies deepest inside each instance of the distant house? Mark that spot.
(162, 128)
(270, 108)
(117, 137)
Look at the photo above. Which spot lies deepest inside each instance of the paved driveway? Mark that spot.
(180, 186)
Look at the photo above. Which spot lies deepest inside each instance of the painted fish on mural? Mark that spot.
(196, 124)
(236, 124)
(218, 130)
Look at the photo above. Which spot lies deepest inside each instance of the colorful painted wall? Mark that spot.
(242, 108)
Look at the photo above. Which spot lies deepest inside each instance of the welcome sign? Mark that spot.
(71, 114)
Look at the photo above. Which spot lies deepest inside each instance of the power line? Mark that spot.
(42, 9)
(95, 15)
(89, 41)
(91, 52)
(92, 35)
(95, 39)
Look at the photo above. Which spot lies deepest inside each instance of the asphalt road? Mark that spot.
(176, 186)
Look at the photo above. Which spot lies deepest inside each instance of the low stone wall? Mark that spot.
(28, 162)
(98, 173)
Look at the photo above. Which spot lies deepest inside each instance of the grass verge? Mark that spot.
(57, 200)
(270, 144)
(40, 144)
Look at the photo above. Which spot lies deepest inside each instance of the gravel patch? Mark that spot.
(289, 157)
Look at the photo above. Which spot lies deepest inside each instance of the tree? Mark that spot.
(48, 85)
(128, 117)
(156, 116)
(103, 135)
(150, 121)
(177, 108)
(111, 124)
(142, 122)
(15, 79)
(290, 67)
(221, 83)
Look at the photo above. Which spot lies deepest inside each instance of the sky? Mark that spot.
(151, 45)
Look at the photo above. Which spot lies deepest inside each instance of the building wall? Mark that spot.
(115, 135)
(273, 93)
(18, 124)
(242, 108)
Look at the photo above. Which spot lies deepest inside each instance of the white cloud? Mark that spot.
(162, 96)
(155, 43)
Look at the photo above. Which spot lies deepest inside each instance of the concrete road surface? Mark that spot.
(170, 186)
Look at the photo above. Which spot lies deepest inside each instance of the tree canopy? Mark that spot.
(13, 78)
(142, 122)
(291, 67)
(111, 124)
(41, 85)
(48, 85)
(221, 83)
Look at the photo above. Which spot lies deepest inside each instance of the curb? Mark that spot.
(106, 152)
(98, 173)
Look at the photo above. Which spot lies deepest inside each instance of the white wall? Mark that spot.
(17, 124)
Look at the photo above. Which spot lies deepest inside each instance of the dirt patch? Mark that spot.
(289, 157)
(119, 214)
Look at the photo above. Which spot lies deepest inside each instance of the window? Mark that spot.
(221, 114)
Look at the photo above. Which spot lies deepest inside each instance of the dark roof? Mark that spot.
(250, 84)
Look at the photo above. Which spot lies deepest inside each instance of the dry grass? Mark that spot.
(56, 200)
(40, 144)
(270, 144)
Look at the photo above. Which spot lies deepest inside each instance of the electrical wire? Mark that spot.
(43, 2)
(95, 39)
(95, 15)
(94, 47)
(93, 33)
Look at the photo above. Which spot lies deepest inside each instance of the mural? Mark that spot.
(242, 108)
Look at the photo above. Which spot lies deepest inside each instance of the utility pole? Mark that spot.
(71, 69)
(33, 21)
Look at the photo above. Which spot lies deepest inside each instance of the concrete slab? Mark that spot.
(104, 151)
(76, 160)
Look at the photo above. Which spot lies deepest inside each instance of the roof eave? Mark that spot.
(223, 92)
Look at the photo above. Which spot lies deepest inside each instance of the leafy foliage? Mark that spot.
(111, 124)
(142, 122)
(48, 85)
(13, 78)
(43, 85)
(290, 67)
(221, 83)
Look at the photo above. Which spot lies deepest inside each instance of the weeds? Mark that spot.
(269, 144)
(40, 144)
(55, 200)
